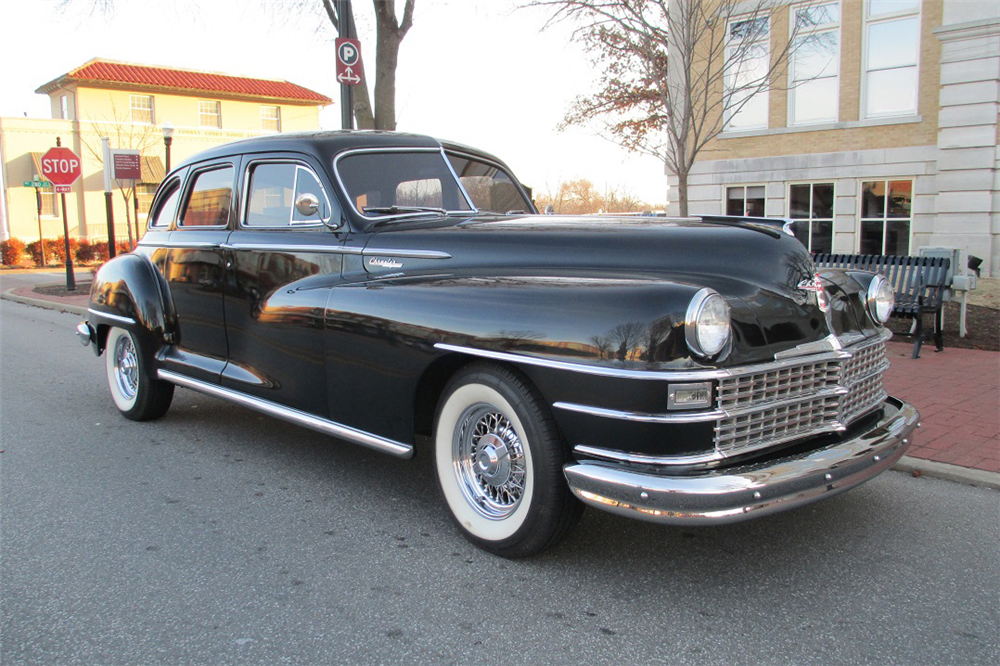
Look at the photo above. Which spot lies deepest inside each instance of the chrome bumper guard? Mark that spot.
(85, 334)
(740, 493)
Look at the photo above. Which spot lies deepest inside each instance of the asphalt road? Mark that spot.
(217, 536)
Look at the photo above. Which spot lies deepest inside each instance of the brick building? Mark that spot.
(880, 135)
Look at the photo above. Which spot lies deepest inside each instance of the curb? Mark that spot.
(9, 295)
(938, 470)
(907, 464)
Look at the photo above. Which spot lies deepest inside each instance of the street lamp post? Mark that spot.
(168, 139)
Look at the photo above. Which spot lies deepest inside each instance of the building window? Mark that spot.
(50, 203)
(892, 55)
(64, 107)
(270, 118)
(142, 109)
(815, 65)
(209, 114)
(745, 201)
(886, 213)
(812, 203)
(747, 66)
(144, 195)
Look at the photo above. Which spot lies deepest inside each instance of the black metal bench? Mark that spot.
(919, 282)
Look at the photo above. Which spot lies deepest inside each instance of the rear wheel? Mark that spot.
(499, 463)
(136, 394)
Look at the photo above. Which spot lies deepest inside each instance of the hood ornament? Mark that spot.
(815, 285)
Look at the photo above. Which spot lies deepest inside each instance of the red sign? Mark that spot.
(348, 61)
(127, 166)
(61, 166)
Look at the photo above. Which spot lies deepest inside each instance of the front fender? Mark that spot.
(635, 323)
(127, 293)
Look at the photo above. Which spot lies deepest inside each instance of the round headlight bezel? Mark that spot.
(702, 324)
(881, 299)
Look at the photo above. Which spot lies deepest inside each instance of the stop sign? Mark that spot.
(61, 166)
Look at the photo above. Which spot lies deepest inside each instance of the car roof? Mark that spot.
(321, 144)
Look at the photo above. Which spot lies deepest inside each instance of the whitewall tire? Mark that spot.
(499, 463)
(136, 394)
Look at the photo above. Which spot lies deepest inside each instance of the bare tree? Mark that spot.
(389, 35)
(122, 133)
(676, 71)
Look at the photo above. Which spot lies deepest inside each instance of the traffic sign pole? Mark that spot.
(70, 278)
(41, 238)
(346, 91)
(62, 167)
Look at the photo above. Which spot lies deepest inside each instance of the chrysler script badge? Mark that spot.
(384, 263)
(815, 285)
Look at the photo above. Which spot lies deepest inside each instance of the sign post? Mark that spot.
(38, 185)
(108, 203)
(127, 165)
(62, 167)
(349, 68)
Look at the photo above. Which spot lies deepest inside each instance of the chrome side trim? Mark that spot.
(406, 254)
(601, 371)
(269, 247)
(738, 493)
(112, 317)
(295, 416)
(696, 417)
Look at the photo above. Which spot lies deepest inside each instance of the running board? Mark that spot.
(295, 416)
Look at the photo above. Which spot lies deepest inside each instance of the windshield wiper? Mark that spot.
(403, 210)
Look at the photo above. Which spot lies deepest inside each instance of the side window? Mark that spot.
(166, 208)
(490, 188)
(210, 200)
(274, 189)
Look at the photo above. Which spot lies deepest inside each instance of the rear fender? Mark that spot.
(128, 292)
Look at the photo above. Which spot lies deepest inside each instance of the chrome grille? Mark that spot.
(793, 401)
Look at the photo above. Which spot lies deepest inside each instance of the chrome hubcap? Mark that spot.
(126, 367)
(489, 461)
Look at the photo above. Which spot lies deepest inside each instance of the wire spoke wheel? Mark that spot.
(489, 461)
(126, 367)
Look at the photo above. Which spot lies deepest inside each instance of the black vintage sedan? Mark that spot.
(380, 286)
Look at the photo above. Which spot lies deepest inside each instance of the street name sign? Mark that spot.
(348, 61)
(37, 183)
(61, 166)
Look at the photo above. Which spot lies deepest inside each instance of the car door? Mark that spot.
(194, 268)
(282, 260)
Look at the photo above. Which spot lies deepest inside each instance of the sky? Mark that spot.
(479, 72)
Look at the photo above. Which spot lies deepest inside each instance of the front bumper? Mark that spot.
(739, 493)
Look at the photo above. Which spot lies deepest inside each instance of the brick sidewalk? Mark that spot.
(958, 394)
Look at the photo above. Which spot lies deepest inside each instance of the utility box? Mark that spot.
(960, 280)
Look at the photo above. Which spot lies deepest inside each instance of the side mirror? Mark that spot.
(307, 205)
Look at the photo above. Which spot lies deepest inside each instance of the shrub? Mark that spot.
(12, 252)
(55, 250)
(84, 252)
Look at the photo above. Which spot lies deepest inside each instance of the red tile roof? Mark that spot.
(164, 78)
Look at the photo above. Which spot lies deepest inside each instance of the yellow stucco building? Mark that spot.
(132, 105)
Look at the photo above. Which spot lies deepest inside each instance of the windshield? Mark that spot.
(381, 184)
(490, 187)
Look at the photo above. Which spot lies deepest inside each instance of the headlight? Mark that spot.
(707, 326)
(880, 299)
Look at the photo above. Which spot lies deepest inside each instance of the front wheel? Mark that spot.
(137, 395)
(499, 463)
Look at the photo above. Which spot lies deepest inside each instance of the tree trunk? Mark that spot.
(386, 59)
(682, 192)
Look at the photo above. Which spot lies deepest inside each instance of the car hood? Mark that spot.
(758, 269)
